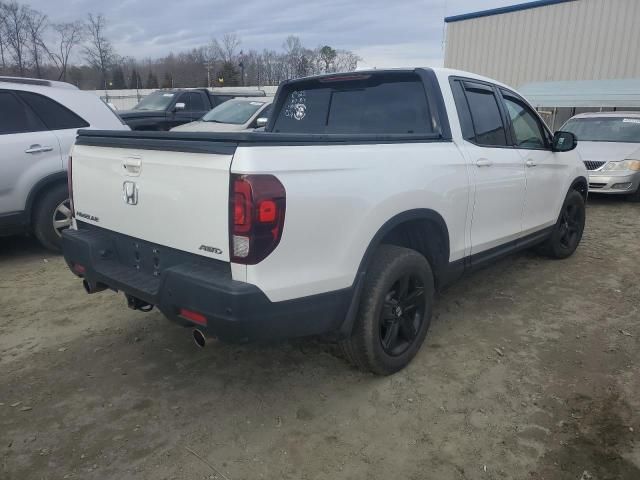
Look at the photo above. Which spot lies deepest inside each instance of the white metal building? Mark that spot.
(565, 56)
(548, 40)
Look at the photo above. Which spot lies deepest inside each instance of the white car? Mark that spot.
(369, 191)
(39, 120)
(235, 115)
(609, 145)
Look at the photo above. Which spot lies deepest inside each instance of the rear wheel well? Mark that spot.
(41, 189)
(426, 236)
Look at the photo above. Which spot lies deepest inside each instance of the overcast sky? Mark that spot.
(385, 33)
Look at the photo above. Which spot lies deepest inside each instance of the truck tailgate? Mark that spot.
(176, 199)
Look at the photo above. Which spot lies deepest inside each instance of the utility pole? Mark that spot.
(242, 66)
(208, 66)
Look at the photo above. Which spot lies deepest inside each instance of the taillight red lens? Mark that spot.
(78, 269)
(267, 211)
(257, 209)
(70, 184)
(192, 316)
(241, 206)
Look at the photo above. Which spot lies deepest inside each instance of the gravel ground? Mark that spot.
(530, 371)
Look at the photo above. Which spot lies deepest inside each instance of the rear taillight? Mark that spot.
(70, 185)
(256, 216)
(192, 316)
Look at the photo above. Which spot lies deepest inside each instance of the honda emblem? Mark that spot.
(130, 193)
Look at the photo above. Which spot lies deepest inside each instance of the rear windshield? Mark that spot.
(603, 129)
(235, 112)
(392, 103)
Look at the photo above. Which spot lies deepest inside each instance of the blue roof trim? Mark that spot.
(498, 11)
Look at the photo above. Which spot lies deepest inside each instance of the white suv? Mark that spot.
(39, 120)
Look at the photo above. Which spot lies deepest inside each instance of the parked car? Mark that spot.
(609, 144)
(366, 192)
(38, 124)
(236, 115)
(164, 109)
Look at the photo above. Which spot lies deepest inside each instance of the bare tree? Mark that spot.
(228, 49)
(3, 63)
(68, 36)
(16, 33)
(346, 61)
(36, 25)
(99, 52)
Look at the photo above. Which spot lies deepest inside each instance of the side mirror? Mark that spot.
(564, 141)
(261, 122)
(179, 106)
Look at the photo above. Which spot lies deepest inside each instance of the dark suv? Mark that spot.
(164, 109)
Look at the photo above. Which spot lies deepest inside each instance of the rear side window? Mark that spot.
(16, 117)
(54, 115)
(193, 102)
(485, 115)
(462, 107)
(218, 99)
(365, 104)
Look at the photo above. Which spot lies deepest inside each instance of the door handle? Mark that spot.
(531, 163)
(38, 149)
(484, 162)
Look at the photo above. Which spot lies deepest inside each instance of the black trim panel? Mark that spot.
(436, 101)
(14, 222)
(487, 257)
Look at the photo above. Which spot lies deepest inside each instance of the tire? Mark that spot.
(382, 319)
(567, 233)
(53, 206)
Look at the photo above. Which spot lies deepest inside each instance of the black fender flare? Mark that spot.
(388, 226)
(580, 180)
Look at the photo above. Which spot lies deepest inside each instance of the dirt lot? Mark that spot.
(530, 371)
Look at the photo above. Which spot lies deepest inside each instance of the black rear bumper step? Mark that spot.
(172, 279)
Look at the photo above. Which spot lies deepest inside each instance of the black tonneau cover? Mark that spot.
(227, 142)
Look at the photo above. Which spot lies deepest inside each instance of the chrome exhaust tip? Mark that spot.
(199, 337)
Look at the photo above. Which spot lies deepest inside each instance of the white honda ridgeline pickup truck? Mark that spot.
(367, 192)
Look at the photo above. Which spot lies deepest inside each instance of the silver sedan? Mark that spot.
(609, 144)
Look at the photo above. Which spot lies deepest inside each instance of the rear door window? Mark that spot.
(193, 102)
(16, 117)
(393, 103)
(54, 115)
(485, 115)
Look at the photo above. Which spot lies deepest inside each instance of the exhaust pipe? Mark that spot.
(200, 338)
(89, 288)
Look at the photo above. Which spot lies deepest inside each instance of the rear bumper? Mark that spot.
(614, 184)
(173, 280)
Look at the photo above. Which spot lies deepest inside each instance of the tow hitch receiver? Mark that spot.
(137, 304)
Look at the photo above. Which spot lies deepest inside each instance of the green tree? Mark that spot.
(327, 57)
(135, 81)
(167, 81)
(152, 81)
(229, 73)
(117, 79)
